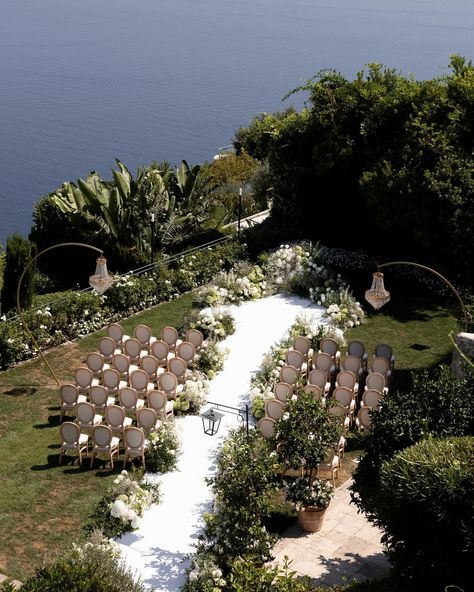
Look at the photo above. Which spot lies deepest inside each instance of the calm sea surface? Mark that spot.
(83, 82)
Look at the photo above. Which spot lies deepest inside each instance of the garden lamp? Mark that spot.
(211, 420)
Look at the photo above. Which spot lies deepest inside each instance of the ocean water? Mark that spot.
(84, 82)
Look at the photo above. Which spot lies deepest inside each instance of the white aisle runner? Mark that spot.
(158, 550)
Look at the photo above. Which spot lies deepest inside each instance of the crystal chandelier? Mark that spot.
(101, 280)
(377, 296)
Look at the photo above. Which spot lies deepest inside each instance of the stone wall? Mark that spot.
(465, 342)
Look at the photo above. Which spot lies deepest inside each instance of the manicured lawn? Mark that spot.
(417, 329)
(43, 505)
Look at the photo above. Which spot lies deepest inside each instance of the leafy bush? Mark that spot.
(163, 450)
(18, 253)
(426, 510)
(243, 490)
(389, 151)
(437, 405)
(122, 506)
(305, 433)
(94, 566)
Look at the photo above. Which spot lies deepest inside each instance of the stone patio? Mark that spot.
(347, 548)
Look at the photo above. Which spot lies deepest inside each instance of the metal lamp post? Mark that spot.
(100, 281)
(211, 419)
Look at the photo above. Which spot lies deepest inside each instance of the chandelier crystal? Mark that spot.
(377, 296)
(101, 280)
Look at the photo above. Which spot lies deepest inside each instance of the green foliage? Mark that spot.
(210, 359)
(68, 315)
(17, 256)
(224, 178)
(426, 510)
(394, 153)
(437, 405)
(243, 489)
(163, 449)
(304, 436)
(94, 566)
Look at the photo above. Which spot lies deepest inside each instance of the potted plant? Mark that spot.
(303, 438)
(311, 498)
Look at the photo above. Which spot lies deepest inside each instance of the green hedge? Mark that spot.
(426, 509)
(67, 315)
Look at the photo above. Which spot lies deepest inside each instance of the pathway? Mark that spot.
(347, 547)
(158, 550)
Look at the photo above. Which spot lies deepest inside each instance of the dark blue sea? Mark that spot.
(85, 81)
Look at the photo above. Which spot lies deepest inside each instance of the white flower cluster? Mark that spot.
(347, 313)
(195, 391)
(287, 263)
(97, 542)
(213, 321)
(205, 571)
(131, 501)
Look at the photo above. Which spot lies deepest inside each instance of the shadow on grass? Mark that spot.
(21, 391)
(53, 422)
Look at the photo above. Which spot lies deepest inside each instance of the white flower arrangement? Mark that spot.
(214, 323)
(289, 263)
(129, 501)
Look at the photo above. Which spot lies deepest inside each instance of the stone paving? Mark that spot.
(347, 547)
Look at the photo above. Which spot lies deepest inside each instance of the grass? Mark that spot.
(417, 330)
(43, 505)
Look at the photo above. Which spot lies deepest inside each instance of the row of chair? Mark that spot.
(142, 334)
(103, 442)
(318, 381)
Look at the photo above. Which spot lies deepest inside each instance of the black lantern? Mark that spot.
(211, 420)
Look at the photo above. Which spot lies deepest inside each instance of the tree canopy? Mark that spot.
(383, 162)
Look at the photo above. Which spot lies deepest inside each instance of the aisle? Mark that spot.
(158, 550)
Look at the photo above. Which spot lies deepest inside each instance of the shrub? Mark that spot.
(94, 566)
(18, 253)
(163, 450)
(438, 405)
(243, 490)
(305, 433)
(122, 506)
(426, 510)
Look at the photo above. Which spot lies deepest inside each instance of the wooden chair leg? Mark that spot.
(92, 459)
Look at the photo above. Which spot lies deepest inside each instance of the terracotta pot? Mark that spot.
(310, 518)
